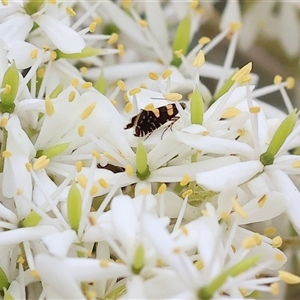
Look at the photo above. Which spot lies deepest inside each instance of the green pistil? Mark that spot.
(32, 6)
(53, 151)
(74, 207)
(86, 52)
(57, 91)
(142, 168)
(281, 134)
(197, 107)
(223, 90)
(138, 261)
(4, 284)
(101, 84)
(206, 293)
(31, 220)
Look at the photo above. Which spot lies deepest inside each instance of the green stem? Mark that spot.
(2, 149)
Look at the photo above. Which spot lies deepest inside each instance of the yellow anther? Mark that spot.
(90, 295)
(114, 102)
(258, 238)
(199, 59)
(49, 107)
(177, 250)
(242, 72)
(166, 74)
(3, 122)
(103, 263)
(204, 40)
(270, 231)
(125, 97)
(98, 20)
(173, 96)
(92, 220)
(126, 4)
(4, 2)
(234, 26)
(19, 192)
(53, 55)
(70, 11)
(74, 82)
(81, 130)
(82, 180)
(243, 292)
(103, 183)
(41, 163)
(194, 4)
(274, 288)
(33, 53)
(199, 264)
(110, 157)
(129, 170)
(35, 274)
(143, 85)
(162, 188)
(225, 216)
(153, 75)
(121, 85)
(276, 242)
(288, 278)
(96, 154)
(249, 242)
(92, 27)
(87, 111)
(40, 72)
(121, 49)
(204, 212)
(277, 79)
(238, 208)
(113, 38)
(72, 95)
(7, 89)
(279, 257)
(261, 202)
(78, 165)
(187, 193)
(83, 70)
(94, 190)
(128, 107)
(149, 106)
(185, 180)
(143, 23)
(178, 53)
(184, 230)
(230, 112)
(290, 83)
(6, 154)
(144, 191)
(28, 167)
(160, 263)
(134, 91)
(296, 164)
(254, 109)
(46, 48)
(51, 1)
(241, 132)
(86, 85)
(20, 260)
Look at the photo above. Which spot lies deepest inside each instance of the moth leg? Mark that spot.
(173, 120)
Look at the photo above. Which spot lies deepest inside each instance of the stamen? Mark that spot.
(187, 193)
(270, 231)
(121, 85)
(81, 130)
(173, 96)
(274, 288)
(167, 74)
(143, 23)
(153, 75)
(249, 242)
(94, 190)
(82, 180)
(92, 27)
(162, 188)
(199, 59)
(277, 79)
(121, 49)
(296, 164)
(96, 154)
(113, 38)
(276, 242)
(238, 208)
(134, 91)
(262, 201)
(3, 122)
(290, 83)
(194, 4)
(254, 109)
(33, 53)
(41, 163)
(199, 264)
(103, 263)
(98, 20)
(75, 82)
(204, 40)
(103, 183)
(288, 277)
(49, 107)
(78, 165)
(126, 4)
(86, 85)
(129, 170)
(28, 167)
(4, 2)
(83, 70)
(230, 112)
(6, 154)
(185, 180)
(70, 11)
(87, 111)
(72, 95)
(128, 107)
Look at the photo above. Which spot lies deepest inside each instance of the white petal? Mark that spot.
(63, 37)
(215, 180)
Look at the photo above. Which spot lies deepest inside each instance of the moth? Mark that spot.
(147, 121)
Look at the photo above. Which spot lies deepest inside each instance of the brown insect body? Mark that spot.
(149, 120)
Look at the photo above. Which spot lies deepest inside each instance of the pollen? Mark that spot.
(92, 27)
(134, 91)
(98, 20)
(6, 154)
(143, 23)
(33, 53)
(187, 193)
(128, 107)
(94, 190)
(53, 55)
(103, 263)
(254, 109)
(78, 165)
(113, 38)
(204, 40)
(92, 220)
(87, 111)
(238, 208)
(3, 122)
(173, 96)
(41, 163)
(70, 11)
(184, 230)
(199, 59)
(114, 102)
(162, 188)
(258, 238)
(46, 48)
(204, 212)
(121, 49)
(110, 157)
(230, 112)
(225, 216)
(49, 107)
(167, 73)
(178, 53)
(121, 85)
(83, 70)
(249, 242)
(279, 257)
(82, 180)
(90, 295)
(288, 278)
(153, 75)
(74, 82)
(144, 191)
(261, 202)
(129, 170)
(96, 154)
(87, 85)
(7, 89)
(72, 95)
(290, 83)
(277, 79)
(276, 242)
(35, 274)
(241, 132)
(81, 130)
(149, 106)
(242, 72)
(40, 72)
(199, 264)
(28, 167)
(274, 288)
(296, 164)
(103, 183)
(125, 97)
(21, 260)
(185, 180)
(270, 231)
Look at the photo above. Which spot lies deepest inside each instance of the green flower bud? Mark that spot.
(10, 83)
(31, 220)
(74, 207)
(86, 52)
(32, 6)
(279, 137)
(4, 284)
(142, 168)
(138, 261)
(53, 151)
(182, 39)
(197, 107)
(223, 90)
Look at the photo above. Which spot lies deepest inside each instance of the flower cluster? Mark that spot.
(122, 174)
